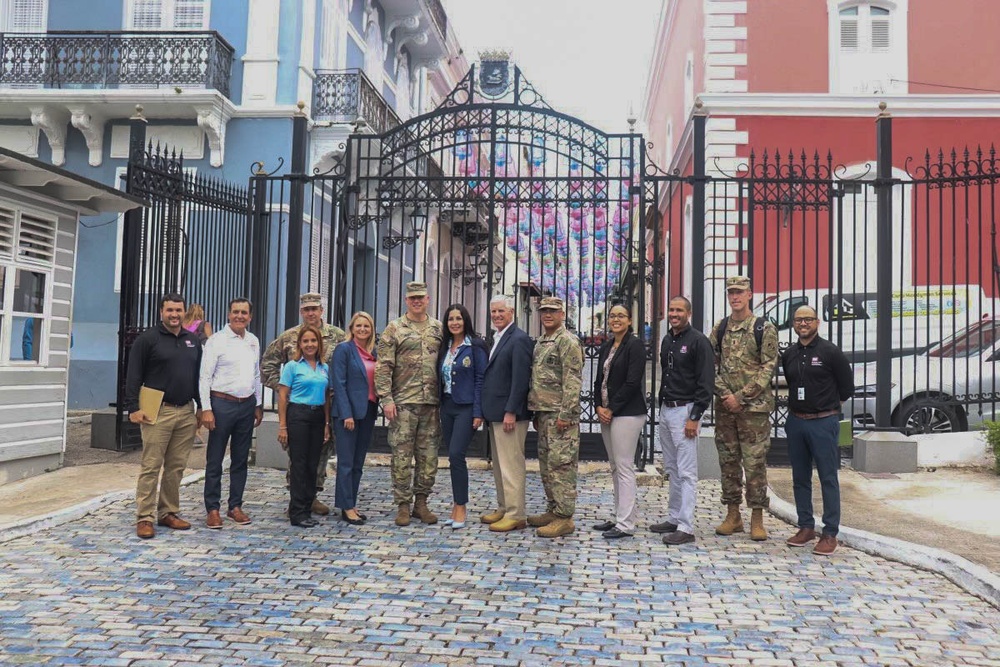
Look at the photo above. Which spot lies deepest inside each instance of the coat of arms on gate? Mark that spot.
(494, 73)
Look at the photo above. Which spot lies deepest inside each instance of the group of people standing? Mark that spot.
(440, 382)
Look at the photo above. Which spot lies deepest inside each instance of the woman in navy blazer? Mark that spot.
(461, 365)
(355, 405)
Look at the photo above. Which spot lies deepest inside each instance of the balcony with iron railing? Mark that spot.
(86, 59)
(347, 96)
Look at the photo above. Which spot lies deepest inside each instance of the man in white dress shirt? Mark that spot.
(231, 393)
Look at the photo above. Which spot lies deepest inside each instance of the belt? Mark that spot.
(675, 404)
(306, 406)
(816, 415)
(229, 397)
(175, 405)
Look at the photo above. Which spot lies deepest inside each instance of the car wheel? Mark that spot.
(924, 416)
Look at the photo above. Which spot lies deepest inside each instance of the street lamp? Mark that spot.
(418, 220)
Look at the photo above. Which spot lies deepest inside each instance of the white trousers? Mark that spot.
(621, 438)
(680, 462)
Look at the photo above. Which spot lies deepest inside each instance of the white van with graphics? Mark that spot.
(921, 316)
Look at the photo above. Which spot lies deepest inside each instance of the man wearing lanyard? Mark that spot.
(819, 381)
(687, 365)
(165, 357)
(230, 389)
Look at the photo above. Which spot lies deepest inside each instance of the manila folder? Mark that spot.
(149, 402)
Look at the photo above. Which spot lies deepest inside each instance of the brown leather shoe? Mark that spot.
(173, 521)
(826, 546)
(506, 525)
(213, 520)
(319, 507)
(493, 516)
(238, 515)
(801, 538)
(145, 530)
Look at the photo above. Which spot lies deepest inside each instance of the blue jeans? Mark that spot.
(233, 425)
(815, 441)
(456, 429)
(352, 448)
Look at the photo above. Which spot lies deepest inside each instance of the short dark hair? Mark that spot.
(470, 330)
(172, 296)
(687, 301)
(241, 299)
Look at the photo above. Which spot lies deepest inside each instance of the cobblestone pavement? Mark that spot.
(270, 594)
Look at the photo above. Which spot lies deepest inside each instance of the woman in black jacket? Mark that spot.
(620, 398)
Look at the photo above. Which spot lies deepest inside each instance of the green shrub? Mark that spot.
(993, 440)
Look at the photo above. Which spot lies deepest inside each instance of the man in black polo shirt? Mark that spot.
(165, 357)
(687, 362)
(819, 381)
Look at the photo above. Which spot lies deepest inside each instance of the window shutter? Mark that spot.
(849, 34)
(28, 16)
(36, 240)
(880, 34)
(190, 14)
(6, 234)
(146, 15)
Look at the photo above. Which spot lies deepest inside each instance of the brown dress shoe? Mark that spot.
(174, 521)
(213, 520)
(826, 546)
(319, 507)
(238, 515)
(145, 530)
(801, 538)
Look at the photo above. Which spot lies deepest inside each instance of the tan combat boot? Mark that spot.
(422, 512)
(539, 520)
(492, 517)
(757, 531)
(403, 515)
(733, 522)
(557, 528)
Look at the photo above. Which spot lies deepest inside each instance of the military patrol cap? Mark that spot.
(551, 303)
(311, 299)
(416, 289)
(737, 282)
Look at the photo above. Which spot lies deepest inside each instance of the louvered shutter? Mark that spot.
(28, 15)
(36, 239)
(6, 234)
(190, 15)
(880, 34)
(146, 15)
(849, 34)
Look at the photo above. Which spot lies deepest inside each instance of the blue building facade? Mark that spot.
(218, 79)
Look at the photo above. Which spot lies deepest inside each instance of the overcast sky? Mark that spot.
(588, 58)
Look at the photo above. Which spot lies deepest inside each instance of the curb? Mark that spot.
(965, 574)
(31, 525)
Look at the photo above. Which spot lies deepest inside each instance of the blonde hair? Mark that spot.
(350, 329)
(194, 312)
(303, 330)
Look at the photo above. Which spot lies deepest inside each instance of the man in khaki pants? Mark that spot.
(505, 407)
(165, 357)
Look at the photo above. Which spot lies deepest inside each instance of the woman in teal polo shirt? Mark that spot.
(304, 421)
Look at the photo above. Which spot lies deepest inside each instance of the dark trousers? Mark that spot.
(352, 447)
(456, 429)
(814, 441)
(233, 424)
(306, 424)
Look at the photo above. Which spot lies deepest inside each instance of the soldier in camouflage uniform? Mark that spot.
(406, 380)
(554, 396)
(281, 350)
(744, 400)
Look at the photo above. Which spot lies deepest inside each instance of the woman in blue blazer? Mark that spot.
(461, 363)
(355, 405)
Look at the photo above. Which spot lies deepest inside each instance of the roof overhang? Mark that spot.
(81, 194)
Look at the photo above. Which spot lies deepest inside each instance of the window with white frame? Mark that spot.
(868, 47)
(24, 15)
(167, 14)
(27, 258)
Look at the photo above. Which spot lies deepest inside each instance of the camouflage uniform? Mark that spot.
(406, 376)
(743, 438)
(279, 352)
(556, 382)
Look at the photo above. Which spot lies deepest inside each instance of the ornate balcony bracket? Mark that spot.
(54, 123)
(417, 37)
(213, 121)
(409, 22)
(91, 126)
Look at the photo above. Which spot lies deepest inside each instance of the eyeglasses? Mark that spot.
(618, 316)
(804, 320)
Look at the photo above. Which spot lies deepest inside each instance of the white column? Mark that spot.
(307, 54)
(260, 64)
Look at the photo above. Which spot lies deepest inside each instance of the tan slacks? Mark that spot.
(508, 468)
(165, 446)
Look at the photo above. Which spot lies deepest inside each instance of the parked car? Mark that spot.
(950, 388)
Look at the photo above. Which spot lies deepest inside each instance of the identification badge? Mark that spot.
(467, 362)
(802, 393)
